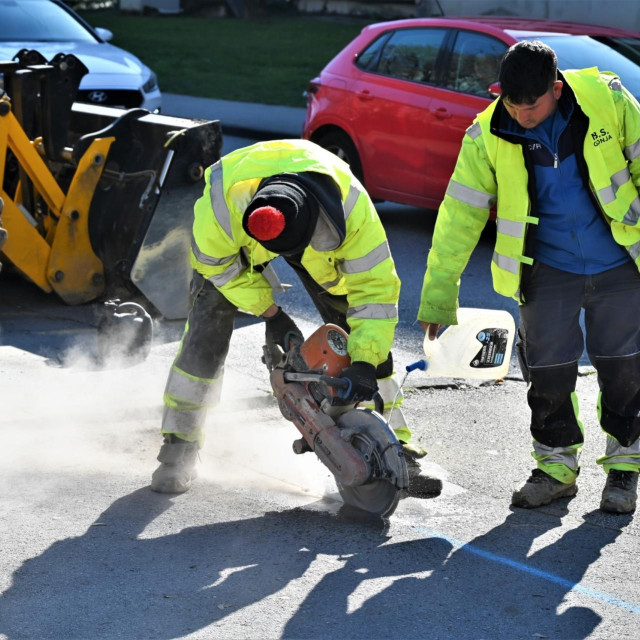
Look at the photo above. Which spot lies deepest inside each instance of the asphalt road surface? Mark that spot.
(261, 546)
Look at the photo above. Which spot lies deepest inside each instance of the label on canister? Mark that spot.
(494, 347)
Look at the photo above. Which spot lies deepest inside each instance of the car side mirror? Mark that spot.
(104, 34)
(494, 89)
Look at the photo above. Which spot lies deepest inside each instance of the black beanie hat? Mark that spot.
(282, 216)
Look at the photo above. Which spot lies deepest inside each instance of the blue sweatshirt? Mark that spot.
(572, 234)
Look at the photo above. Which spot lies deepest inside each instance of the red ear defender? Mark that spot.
(266, 223)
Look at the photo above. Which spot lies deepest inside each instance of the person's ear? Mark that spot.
(557, 89)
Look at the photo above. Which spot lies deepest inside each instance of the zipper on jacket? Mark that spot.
(555, 160)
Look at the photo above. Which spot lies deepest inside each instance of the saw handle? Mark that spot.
(330, 381)
(342, 383)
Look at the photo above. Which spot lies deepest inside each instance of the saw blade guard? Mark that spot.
(388, 479)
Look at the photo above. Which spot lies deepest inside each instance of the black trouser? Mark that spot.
(551, 343)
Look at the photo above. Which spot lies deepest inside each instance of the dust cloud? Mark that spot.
(81, 416)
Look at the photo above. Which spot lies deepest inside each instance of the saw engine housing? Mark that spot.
(356, 445)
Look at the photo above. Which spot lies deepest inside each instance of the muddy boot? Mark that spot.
(421, 485)
(541, 489)
(178, 468)
(620, 492)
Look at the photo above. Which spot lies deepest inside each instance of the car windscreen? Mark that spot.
(41, 21)
(629, 47)
(579, 52)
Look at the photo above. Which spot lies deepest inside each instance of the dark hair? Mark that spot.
(527, 71)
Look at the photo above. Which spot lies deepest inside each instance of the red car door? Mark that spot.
(472, 66)
(391, 113)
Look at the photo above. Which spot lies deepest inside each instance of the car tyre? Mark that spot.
(340, 144)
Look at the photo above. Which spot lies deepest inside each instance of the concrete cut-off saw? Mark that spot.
(355, 444)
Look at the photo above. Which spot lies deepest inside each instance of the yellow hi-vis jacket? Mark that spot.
(490, 168)
(360, 267)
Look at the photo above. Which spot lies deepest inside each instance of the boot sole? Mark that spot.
(524, 502)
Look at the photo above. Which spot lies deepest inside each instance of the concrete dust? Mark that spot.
(249, 444)
(82, 417)
(77, 418)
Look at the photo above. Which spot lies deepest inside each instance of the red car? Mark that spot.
(396, 101)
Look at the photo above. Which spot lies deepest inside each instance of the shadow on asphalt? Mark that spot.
(110, 582)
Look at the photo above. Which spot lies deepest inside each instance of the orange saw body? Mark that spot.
(356, 445)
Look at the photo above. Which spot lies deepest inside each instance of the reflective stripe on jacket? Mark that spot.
(360, 267)
(490, 168)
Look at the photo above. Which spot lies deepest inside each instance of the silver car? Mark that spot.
(116, 77)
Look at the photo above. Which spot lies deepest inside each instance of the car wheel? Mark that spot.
(340, 144)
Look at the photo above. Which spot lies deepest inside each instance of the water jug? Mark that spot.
(479, 346)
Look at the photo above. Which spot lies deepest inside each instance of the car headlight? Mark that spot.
(151, 84)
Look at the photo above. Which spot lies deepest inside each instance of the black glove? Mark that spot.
(281, 330)
(363, 383)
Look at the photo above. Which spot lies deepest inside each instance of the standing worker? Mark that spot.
(560, 152)
(295, 199)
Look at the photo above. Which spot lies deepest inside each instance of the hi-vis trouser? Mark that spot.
(550, 346)
(195, 380)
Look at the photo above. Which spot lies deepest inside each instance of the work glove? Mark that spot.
(281, 330)
(362, 382)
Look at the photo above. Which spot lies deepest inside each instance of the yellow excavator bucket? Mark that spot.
(98, 202)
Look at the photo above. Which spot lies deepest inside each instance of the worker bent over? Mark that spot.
(295, 199)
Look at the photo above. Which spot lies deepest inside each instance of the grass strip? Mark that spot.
(268, 61)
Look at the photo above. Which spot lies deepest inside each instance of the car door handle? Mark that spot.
(365, 94)
(441, 113)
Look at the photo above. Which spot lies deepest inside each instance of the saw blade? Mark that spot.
(379, 497)
(370, 434)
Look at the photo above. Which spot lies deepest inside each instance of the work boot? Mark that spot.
(620, 491)
(541, 489)
(421, 485)
(178, 468)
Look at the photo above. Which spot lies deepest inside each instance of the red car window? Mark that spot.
(474, 63)
(411, 54)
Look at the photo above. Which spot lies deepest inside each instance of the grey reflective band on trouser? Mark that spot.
(508, 264)
(556, 455)
(510, 228)
(233, 270)
(472, 197)
(206, 259)
(632, 151)
(352, 198)
(622, 460)
(615, 449)
(188, 390)
(373, 311)
(474, 130)
(218, 203)
(188, 421)
(372, 259)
